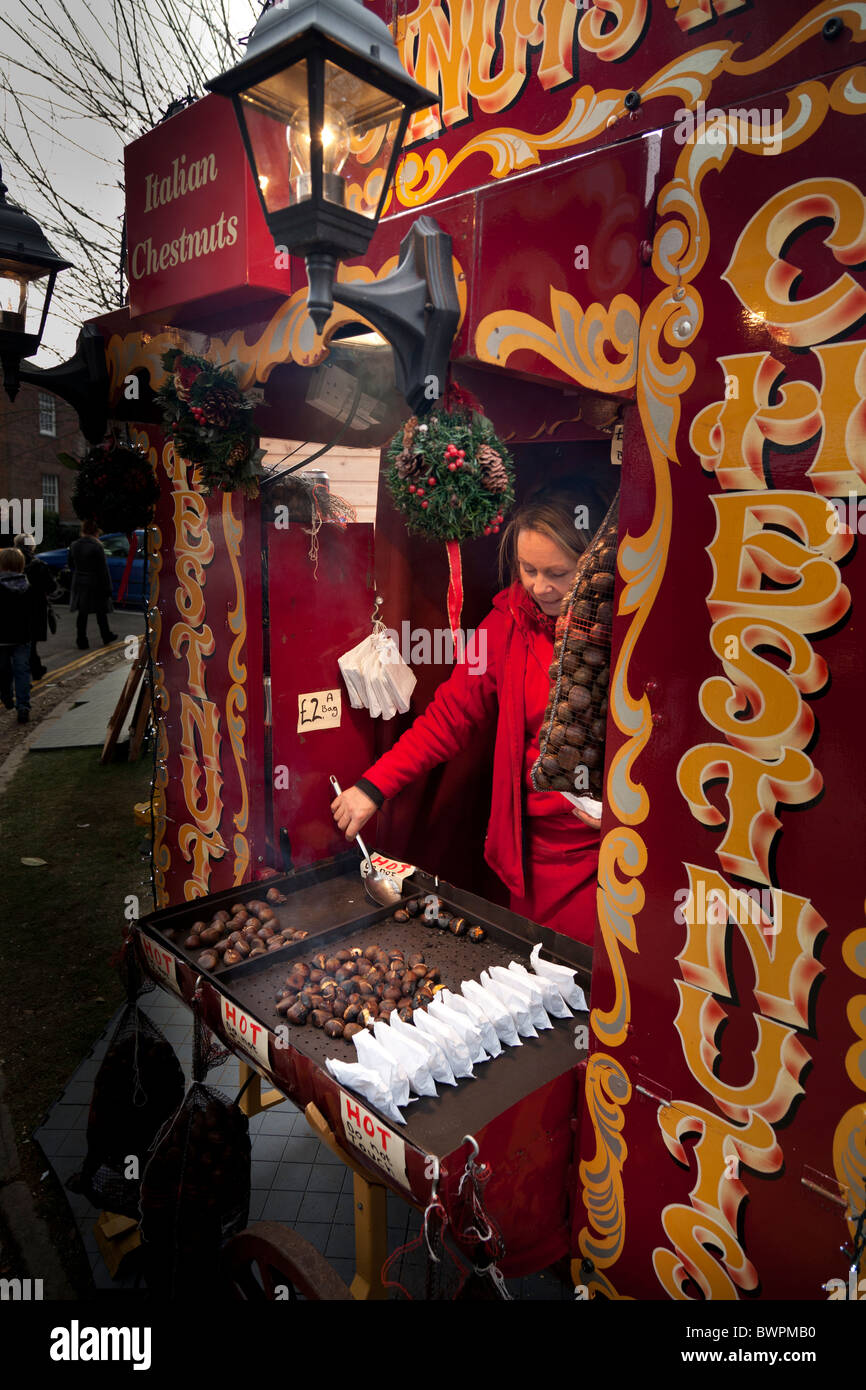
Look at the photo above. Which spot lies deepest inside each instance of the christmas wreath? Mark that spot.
(453, 480)
(115, 487)
(209, 420)
(450, 476)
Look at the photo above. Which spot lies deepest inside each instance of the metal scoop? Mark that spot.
(380, 888)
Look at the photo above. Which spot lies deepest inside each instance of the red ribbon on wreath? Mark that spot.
(455, 586)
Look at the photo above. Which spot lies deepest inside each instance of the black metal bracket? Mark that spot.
(82, 382)
(416, 308)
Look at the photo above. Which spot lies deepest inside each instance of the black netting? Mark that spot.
(571, 757)
(138, 1086)
(195, 1192)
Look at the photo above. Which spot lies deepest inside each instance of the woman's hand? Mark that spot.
(351, 810)
(591, 821)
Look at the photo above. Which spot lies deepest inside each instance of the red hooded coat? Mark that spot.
(545, 856)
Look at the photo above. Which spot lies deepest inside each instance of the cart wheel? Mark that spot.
(267, 1258)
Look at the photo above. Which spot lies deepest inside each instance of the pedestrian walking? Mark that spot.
(16, 628)
(41, 582)
(91, 585)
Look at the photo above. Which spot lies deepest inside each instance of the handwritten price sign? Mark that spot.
(321, 709)
(394, 867)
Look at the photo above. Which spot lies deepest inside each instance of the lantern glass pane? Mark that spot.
(14, 283)
(277, 120)
(361, 125)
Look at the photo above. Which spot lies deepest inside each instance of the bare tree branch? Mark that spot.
(79, 80)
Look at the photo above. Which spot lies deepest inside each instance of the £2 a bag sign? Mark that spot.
(195, 228)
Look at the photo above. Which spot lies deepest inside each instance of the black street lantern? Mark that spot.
(25, 256)
(323, 104)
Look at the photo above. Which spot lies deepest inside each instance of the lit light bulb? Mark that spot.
(335, 151)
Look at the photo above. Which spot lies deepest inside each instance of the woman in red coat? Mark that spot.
(543, 849)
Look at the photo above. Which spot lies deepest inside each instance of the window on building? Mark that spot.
(47, 414)
(51, 492)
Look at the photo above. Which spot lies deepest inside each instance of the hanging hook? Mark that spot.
(374, 617)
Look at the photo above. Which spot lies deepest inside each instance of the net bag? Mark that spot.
(571, 756)
(138, 1086)
(195, 1191)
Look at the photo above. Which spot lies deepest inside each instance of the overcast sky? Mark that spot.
(83, 157)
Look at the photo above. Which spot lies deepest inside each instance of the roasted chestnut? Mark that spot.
(387, 1007)
(283, 1005)
(333, 1028)
(459, 925)
(393, 993)
(405, 1002)
(405, 1014)
(351, 1012)
(241, 947)
(298, 1013)
(415, 959)
(413, 907)
(221, 916)
(351, 1029)
(274, 895)
(319, 1017)
(401, 915)
(368, 1016)
(208, 960)
(371, 953)
(193, 941)
(316, 975)
(476, 933)
(319, 960)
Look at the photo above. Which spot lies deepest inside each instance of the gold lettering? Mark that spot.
(840, 466)
(753, 789)
(745, 554)
(764, 281)
(782, 950)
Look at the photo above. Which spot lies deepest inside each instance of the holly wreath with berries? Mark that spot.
(450, 475)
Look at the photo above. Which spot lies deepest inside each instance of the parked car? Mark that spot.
(116, 546)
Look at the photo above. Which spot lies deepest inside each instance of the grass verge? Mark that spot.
(60, 927)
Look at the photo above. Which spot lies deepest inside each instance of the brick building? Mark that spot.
(34, 429)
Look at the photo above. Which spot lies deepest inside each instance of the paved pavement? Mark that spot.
(85, 723)
(60, 649)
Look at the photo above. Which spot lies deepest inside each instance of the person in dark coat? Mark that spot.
(41, 582)
(91, 584)
(16, 627)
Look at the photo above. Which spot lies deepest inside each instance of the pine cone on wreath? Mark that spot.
(220, 406)
(238, 455)
(409, 464)
(493, 474)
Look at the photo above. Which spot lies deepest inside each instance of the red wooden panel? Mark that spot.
(313, 620)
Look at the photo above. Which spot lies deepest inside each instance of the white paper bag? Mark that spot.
(373, 1056)
(411, 1057)
(366, 1084)
(451, 1043)
(489, 1037)
(517, 1004)
(499, 1015)
(549, 994)
(440, 1067)
(537, 1011)
(561, 976)
(463, 1026)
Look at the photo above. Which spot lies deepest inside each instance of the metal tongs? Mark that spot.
(380, 888)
